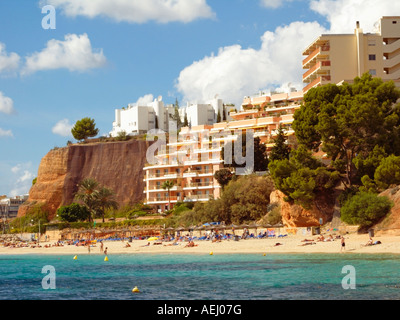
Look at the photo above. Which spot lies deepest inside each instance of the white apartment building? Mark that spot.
(136, 119)
(199, 114)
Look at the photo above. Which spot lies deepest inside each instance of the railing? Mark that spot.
(162, 199)
(199, 184)
(316, 82)
(312, 84)
(317, 66)
(315, 53)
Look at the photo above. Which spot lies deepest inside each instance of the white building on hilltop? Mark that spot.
(139, 119)
(199, 114)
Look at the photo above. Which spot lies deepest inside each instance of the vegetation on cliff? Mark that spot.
(357, 126)
(84, 128)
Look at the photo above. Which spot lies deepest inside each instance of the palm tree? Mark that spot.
(105, 200)
(168, 185)
(87, 193)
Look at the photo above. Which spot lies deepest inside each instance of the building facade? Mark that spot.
(336, 58)
(9, 206)
(191, 159)
(139, 119)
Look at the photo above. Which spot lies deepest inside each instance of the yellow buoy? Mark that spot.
(76, 257)
(135, 289)
(264, 254)
(106, 258)
(211, 253)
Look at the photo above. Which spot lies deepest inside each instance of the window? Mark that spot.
(372, 57)
(394, 22)
(372, 43)
(372, 72)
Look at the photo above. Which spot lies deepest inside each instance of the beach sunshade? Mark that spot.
(152, 239)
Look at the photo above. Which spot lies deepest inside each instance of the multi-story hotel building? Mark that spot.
(191, 160)
(336, 58)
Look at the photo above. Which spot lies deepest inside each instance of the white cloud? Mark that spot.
(145, 100)
(343, 14)
(273, 3)
(23, 176)
(6, 133)
(62, 128)
(8, 62)
(136, 11)
(235, 72)
(6, 104)
(75, 53)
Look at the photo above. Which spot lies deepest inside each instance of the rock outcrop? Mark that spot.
(294, 215)
(391, 224)
(116, 165)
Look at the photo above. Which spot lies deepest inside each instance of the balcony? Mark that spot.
(160, 200)
(321, 67)
(197, 185)
(317, 82)
(320, 52)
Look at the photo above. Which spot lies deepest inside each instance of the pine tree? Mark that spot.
(185, 121)
(280, 151)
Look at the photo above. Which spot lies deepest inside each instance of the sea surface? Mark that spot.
(201, 277)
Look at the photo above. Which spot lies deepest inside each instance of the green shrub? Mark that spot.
(365, 209)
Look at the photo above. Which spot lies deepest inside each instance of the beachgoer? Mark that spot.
(101, 247)
(343, 244)
(105, 251)
(88, 247)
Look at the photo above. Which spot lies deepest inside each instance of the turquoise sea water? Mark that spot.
(201, 277)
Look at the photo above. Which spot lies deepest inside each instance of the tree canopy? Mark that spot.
(349, 121)
(84, 128)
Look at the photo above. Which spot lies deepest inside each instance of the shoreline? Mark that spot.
(288, 245)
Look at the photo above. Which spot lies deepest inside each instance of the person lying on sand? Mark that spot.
(191, 244)
(127, 245)
(278, 244)
(175, 243)
(307, 244)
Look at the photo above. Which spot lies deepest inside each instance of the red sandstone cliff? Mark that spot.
(294, 215)
(116, 165)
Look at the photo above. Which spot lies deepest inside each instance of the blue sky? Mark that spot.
(106, 54)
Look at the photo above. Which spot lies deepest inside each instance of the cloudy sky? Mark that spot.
(106, 54)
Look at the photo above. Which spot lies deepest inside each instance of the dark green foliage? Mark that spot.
(302, 176)
(365, 209)
(223, 176)
(280, 150)
(84, 129)
(244, 199)
(349, 121)
(73, 213)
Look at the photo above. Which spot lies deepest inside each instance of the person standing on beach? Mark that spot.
(343, 244)
(101, 247)
(105, 251)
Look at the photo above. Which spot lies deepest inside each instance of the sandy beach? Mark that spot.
(292, 244)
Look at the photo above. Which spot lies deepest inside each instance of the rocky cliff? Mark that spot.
(116, 165)
(391, 224)
(294, 215)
